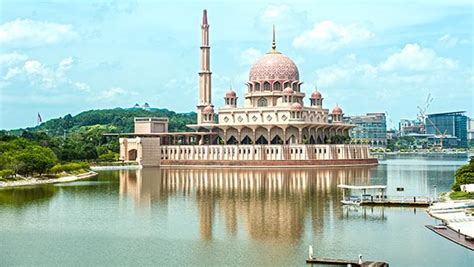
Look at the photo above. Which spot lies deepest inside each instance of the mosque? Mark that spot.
(273, 127)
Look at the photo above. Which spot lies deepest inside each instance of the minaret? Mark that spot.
(205, 71)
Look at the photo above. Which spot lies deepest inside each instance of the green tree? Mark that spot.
(464, 175)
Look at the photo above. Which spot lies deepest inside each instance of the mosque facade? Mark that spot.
(272, 127)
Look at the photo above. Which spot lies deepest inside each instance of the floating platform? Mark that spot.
(458, 238)
(342, 262)
(397, 203)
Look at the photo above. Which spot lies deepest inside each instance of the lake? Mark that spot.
(227, 216)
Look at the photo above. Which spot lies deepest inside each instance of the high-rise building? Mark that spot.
(470, 132)
(448, 123)
(371, 128)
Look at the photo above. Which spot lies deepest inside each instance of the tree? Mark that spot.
(464, 175)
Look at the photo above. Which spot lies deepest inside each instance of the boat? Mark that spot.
(351, 201)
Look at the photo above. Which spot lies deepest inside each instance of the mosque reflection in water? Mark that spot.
(267, 203)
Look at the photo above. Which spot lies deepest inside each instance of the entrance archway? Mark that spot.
(132, 154)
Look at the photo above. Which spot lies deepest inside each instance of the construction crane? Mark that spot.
(424, 118)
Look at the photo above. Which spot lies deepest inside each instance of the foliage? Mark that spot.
(81, 137)
(461, 195)
(25, 157)
(338, 139)
(7, 173)
(69, 167)
(109, 156)
(464, 175)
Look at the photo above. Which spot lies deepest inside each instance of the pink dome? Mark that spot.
(296, 106)
(231, 94)
(274, 66)
(337, 110)
(208, 109)
(316, 95)
(288, 91)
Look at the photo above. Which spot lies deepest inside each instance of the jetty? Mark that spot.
(457, 237)
(342, 262)
(380, 198)
(458, 221)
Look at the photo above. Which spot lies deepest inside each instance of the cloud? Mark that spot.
(37, 73)
(415, 58)
(329, 36)
(9, 59)
(284, 17)
(30, 33)
(249, 56)
(82, 86)
(411, 66)
(115, 93)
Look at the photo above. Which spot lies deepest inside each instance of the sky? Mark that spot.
(64, 57)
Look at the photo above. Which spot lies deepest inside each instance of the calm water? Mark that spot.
(225, 217)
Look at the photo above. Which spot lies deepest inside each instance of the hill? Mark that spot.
(80, 137)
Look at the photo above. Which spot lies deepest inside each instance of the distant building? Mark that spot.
(449, 123)
(145, 106)
(432, 140)
(406, 127)
(470, 132)
(392, 134)
(371, 128)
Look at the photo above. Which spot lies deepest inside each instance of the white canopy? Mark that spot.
(362, 187)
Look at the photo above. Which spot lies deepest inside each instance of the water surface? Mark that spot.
(251, 217)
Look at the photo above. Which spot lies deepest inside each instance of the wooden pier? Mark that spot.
(454, 236)
(398, 202)
(342, 262)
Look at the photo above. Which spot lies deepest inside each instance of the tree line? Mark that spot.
(38, 149)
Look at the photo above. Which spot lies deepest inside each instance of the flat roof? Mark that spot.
(447, 113)
(159, 134)
(361, 187)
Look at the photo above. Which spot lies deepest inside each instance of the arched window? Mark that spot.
(257, 87)
(286, 84)
(266, 86)
(262, 102)
(295, 87)
(250, 87)
(277, 86)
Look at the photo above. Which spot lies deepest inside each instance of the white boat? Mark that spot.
(351, 201)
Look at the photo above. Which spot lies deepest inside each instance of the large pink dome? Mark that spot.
(274, 66)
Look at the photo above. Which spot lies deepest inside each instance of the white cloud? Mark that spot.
(38, 73)
(448, 41)
(115, 93)
(9, 59)
(249, 56)
(26, 32)
(82, 86)
(327, 35)
(415, 58)
(284, 17)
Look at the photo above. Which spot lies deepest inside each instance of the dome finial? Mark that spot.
(274, 42)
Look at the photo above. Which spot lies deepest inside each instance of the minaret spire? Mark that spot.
(204, 17)
(273, 40)
(205, 69)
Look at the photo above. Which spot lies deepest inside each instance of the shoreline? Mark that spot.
(36, 181)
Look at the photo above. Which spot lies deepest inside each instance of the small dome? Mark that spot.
(296, 106)
(316, 95)
(208, 109)
(288, 91)
(337, 110)
(231, 94)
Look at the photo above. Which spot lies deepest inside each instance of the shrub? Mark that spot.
(7, 174)
(109, 156)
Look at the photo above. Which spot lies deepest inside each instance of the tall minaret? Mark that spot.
(205, 72)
